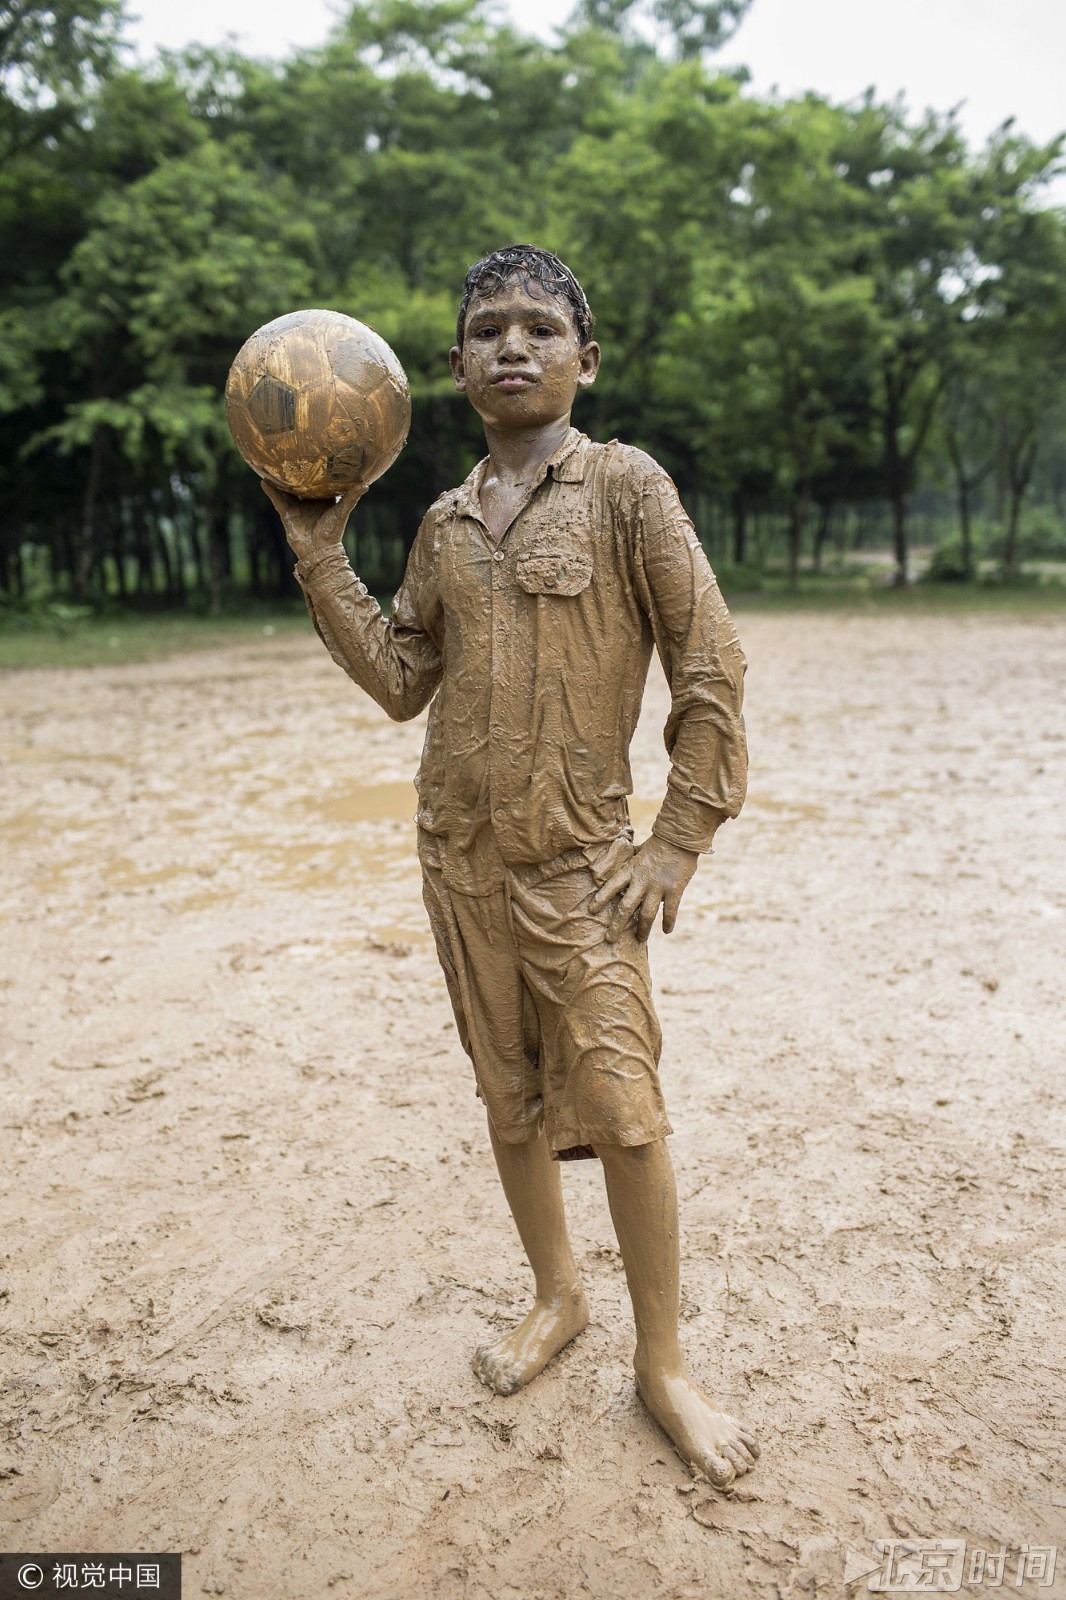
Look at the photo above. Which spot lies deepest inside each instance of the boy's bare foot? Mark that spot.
(511, 1361)
(717, 1444)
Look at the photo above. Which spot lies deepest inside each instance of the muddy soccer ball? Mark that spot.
(317, 402)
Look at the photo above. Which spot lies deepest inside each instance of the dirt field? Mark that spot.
(251, 1225)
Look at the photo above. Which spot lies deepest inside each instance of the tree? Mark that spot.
(774, 343)
(160, 293)
(911, 228)
(1019, 322)
(686, 29)
(968, 433)
(787, 292)
(1027, 359)
(51, 55)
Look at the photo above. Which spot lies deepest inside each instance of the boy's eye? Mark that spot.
(487, 331)
(543, 331)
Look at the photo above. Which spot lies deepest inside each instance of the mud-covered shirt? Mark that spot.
(533, 654)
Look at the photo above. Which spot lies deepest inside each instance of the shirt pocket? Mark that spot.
(554, 569)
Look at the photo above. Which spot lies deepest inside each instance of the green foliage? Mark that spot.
(948, 563)
(804, 308)
(51, 55)
(1042, 535)
(687, 28)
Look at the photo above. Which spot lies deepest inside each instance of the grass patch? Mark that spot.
(934, 599)
(60, 637)
(118, 638)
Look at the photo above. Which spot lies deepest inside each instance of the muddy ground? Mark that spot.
(251, 1225)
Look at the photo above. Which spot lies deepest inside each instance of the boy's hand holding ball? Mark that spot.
(313, 526)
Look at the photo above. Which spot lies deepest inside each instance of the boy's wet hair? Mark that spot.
(526, 261)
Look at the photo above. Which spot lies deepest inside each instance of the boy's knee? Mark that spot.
(631, 1157)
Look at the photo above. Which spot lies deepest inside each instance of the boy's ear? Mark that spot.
(590, 365)
(455, 361)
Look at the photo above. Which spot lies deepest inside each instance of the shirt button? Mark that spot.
(500, 811)
(497, 555)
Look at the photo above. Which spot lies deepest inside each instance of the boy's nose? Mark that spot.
(514, 346)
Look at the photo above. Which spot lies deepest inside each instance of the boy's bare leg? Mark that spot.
(643, 1200)
(534, 1193)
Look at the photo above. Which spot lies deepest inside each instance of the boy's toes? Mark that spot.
(739, 1457)
(718, 1469)
(487, 1367)
(497, 1377)
(482, 1364)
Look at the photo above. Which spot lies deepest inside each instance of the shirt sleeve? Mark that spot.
(394, 659)
(703, 662)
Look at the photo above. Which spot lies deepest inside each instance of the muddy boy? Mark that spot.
(533, 598)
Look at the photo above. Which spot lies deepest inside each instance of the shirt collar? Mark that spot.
(566, 463)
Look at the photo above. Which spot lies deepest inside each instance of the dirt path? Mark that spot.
(251, 1226)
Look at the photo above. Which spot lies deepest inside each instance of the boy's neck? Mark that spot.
(516, 453)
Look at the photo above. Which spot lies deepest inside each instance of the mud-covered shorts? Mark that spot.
(558, 1023)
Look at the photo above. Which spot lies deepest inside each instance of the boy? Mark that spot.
(532, 598)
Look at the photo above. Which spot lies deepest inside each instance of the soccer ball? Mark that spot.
(317, 402)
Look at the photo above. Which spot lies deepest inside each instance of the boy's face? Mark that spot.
(522, 360)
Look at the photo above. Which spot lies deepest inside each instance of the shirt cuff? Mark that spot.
(334, 558)
(695, 836)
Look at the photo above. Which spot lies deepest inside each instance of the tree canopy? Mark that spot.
(804, 307)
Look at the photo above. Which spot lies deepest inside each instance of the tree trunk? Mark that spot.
(215, 524)
(900, 464)
(965, 484)
(278, 558)
(137, 529)
(862, 524)
(797, 516)
(172, 574)
(67, 557)
(1021, 471)
(202, 581)
(962, 499)
(740, 527)
(895, 475)
(1010, 545)
(821, 536)
(87, 541)
(118, 551)
(965, 530)
(899, 537)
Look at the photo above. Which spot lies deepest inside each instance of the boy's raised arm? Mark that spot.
(393, 659)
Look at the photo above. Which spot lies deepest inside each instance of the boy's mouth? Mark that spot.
(513, 380)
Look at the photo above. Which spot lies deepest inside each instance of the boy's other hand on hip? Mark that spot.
(656, 875)
(313, 526)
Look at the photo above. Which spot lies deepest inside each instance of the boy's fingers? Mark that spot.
(646, 916)
(670, 909)
(630, 901)
(351, 497)
(607, 891)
